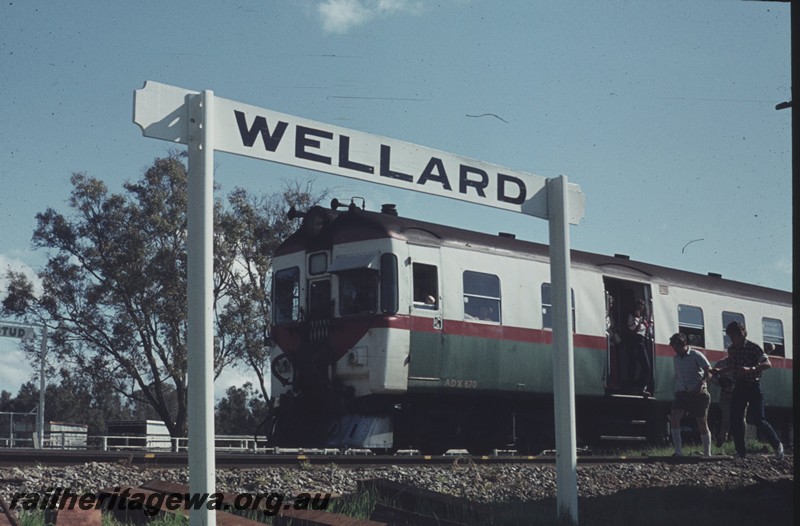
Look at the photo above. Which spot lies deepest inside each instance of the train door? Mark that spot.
(425, 310)
(320, 304)
(629, 369)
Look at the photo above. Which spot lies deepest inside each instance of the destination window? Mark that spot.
(317, 263)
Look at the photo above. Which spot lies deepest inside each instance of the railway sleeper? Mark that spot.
(78, 517)
(7, 517)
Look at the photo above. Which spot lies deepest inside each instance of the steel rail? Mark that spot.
(26, 457)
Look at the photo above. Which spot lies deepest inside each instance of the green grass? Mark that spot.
(753, 447)
(358, 505)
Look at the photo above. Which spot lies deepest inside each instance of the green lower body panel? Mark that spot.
(442, 362)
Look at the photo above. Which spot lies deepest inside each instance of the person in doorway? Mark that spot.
(691, 392)
(617, 377)
(611, 324)
(641, 328)
(748, 361)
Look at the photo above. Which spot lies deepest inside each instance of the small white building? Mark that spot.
(138, 434)
(60, 435)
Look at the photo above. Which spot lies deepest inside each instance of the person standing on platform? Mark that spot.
(748, 361)
(691, 392)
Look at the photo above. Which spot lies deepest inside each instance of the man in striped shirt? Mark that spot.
(747, 361)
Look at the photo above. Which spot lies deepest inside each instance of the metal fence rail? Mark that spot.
(67, 440)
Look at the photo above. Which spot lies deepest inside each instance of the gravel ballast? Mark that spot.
(462, 478)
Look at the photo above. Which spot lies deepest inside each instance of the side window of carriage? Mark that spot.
(547, 307)
(691, 324)
(481, 297)
(728, 317)
(773, 336)
(426, 286)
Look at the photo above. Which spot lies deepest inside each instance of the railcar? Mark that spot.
(396, 333)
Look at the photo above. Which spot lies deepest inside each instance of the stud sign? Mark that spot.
(16, 331)
(241, 129)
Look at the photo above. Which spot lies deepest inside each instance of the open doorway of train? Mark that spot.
(629, 370)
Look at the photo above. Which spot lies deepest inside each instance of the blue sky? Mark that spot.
(663, 112)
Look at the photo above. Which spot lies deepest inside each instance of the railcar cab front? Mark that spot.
(335, 280)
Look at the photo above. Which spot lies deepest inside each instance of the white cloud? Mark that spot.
(15, 369)
(12, 263)
(339, 16)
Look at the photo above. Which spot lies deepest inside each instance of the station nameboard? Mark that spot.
(16, 331)
(241, 129)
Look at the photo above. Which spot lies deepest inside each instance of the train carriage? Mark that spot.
(395, 333)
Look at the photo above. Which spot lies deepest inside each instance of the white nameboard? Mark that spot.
(242, 129)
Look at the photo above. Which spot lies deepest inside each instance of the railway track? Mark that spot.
(27, 457)
(484, 486)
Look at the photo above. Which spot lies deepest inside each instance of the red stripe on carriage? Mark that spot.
(346, 332)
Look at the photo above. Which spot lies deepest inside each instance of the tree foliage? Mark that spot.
(241, 411)
(74, 399)
(114, 286)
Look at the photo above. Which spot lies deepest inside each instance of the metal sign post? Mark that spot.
(200, 295)
(25, 332)
(563, 360)
(207, 123)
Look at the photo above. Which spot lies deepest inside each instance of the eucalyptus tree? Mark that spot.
(114, 285)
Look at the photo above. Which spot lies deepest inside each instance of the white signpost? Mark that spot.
(207, 123)
(25, 332)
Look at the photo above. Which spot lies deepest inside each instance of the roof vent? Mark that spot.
(389, 209)
(714, 275)
(507, 235)
(622, 256)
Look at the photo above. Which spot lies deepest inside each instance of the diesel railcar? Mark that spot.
(396, 333)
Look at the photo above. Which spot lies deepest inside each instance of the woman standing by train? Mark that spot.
(641, 327)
